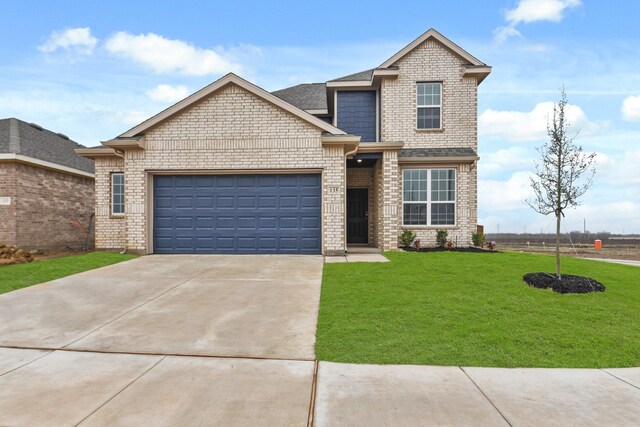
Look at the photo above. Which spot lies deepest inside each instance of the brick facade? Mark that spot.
(43, 204)
(231, 130)
(234, 130)
(432, 62)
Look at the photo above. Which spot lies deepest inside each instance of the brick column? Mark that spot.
(334, 198)
(388, 201)
(136, 201)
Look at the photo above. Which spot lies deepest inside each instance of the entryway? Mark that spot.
(357, 216)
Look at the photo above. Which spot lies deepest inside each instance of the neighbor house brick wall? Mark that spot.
(231, 130)
(44, 202)
(110, 230)
(8, 187)
(432, 62)
(363, 178)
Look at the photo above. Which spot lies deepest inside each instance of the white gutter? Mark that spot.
(43, 164)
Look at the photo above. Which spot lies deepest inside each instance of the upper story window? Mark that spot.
(429, 105)
(428, 197)
(117, 193)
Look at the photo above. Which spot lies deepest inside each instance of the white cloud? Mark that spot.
(532, 125)
(79, 40)
(499, 196)
(168, 93)
(132, 117)
(170, 56)
(631, 108)
(528, 11)
(506, 160)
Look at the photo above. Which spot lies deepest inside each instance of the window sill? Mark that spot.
(441, 130)
(117, 216)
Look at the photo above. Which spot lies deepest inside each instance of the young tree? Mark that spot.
(557, 183)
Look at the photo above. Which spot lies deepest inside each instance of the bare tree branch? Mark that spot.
(563, 174)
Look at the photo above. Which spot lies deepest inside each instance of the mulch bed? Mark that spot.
(440, 249)
(569, 284)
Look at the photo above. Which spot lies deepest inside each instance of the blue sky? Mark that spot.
(94, 69)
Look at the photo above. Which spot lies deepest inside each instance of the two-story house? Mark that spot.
(309, 169)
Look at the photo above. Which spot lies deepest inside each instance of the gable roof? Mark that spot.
(219, 84)
(431, 33)
(306, 96)
(31, 140)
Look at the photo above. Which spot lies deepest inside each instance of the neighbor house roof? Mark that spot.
(306, 96)
(19, 139)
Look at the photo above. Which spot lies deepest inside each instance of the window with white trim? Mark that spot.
(117, 193)
(428, 197)
(429, 105)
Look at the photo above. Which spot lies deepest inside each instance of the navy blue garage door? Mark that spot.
(237, 214)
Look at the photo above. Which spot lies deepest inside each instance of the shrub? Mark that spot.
(441, 238)
(406, 238)
(416, 244)
(450, 245)
(491, 245)
(478, 239)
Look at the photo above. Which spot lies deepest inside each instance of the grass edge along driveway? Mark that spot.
(19, 276)
(468, 309)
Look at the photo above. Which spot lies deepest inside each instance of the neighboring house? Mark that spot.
(308, 169)
(44, 185)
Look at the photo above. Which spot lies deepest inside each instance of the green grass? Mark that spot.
(18, 276)
(475, 310)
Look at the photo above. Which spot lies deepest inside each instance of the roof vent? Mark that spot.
(37, 126)
(62, 135)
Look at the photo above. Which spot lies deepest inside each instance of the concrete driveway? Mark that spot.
(229, 340)
(239, 306)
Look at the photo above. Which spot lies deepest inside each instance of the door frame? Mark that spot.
(346, 216)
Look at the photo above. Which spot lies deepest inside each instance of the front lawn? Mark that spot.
(475, 310)
(18, 276)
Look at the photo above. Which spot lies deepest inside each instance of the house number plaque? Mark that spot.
(5, 201)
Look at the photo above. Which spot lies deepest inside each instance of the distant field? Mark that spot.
(616, 247)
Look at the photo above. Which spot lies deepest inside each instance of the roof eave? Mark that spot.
(432, 33)
(219, 84)
(93, 153)
(443, 159)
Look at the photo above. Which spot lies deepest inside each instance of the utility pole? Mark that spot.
(584, 226)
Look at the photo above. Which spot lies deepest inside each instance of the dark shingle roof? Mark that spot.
(30, 140)
(362, 75)
(306, 96)
(437, 152)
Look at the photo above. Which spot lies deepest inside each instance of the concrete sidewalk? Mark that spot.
(616, 261)
(99, 389)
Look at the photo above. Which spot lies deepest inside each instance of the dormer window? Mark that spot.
(429, 105)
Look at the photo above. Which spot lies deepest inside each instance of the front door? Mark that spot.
(357, 215)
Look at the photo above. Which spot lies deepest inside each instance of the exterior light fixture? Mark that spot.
(359, 160)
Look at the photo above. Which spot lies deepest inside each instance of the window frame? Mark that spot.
(429, 202)
(113, 193)
(418, 106)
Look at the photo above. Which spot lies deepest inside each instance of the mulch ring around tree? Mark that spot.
(569, 284)
(441, 249)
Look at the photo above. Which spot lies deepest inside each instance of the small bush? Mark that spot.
(417, 244)
(478, 240)
(450, 245)
(441, 238)
(492, 245)
(406, 238)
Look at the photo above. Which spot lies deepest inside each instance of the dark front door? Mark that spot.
(357, 215)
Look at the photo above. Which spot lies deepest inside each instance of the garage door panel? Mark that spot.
(237, 214)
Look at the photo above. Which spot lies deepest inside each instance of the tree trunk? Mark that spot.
(558, 218)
